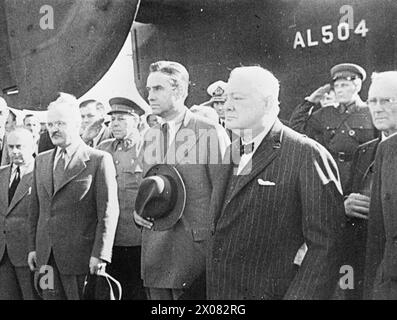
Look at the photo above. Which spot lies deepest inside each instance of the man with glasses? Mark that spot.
(340, 128)
(358, 192)
(74, 208)
(381, 255)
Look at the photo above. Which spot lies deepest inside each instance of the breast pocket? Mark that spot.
(132, 178)
(80, 187)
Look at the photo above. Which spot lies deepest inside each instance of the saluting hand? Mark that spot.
(142, 222)
(357, 206)
(317, 95)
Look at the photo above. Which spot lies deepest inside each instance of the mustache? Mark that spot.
(55, 134)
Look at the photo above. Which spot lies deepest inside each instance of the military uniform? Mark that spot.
(340, 129)
(126, 259)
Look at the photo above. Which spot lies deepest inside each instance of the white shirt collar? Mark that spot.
(245, 158)
(383, 137)
(23, 169)
(95, 140)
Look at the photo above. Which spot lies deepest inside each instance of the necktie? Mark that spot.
(14, 185)
(59, 170)
(164, 134)
(246, 148)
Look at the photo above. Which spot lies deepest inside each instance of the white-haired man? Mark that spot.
(74, 209)
(381, 257)
(284, 191)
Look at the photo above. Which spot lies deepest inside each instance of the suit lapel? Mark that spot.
(4, 185)
(23, 187)
(75, 166)
(47, 173)
(187, 136)
(220, 188)
(268, 150)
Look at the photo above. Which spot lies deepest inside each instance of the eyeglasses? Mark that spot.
(382, 101)
(58, 124)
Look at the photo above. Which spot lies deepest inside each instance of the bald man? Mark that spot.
(15, 193)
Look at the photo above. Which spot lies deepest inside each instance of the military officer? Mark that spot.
(124, 148)
(218, 98)
(340, 128)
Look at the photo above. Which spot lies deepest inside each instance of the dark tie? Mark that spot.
(246, 148)
(164, 134)
(14, 185)
(59, 170)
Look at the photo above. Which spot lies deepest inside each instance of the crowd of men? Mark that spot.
(220, 201)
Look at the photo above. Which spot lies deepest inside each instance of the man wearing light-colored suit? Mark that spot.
(74, 209)
(173, 259)
(284, 191)
(15, 190)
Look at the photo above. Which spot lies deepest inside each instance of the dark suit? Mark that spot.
(355, 242)
(174, 258)
(260, 226)
(78, 220)
(381, 256)
(15, 276)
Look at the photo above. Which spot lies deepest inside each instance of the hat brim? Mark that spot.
(207, 103)
(168, 221)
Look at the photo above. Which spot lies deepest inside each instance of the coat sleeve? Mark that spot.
(301, 114)
(323, 222)
(376, 231)
(107, 208)
(34, 211)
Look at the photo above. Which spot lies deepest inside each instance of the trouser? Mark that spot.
(16, 283)
(126, 268)
(63, 287)
(163, 293)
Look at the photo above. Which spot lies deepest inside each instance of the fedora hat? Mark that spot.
(161, 197)
(101, 286)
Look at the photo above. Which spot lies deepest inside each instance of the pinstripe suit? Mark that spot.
(259, 228)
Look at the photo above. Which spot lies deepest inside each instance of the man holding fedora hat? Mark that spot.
(173, 255)
(340, 129)
(124, 148)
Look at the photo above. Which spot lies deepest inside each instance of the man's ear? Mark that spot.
(358, 83)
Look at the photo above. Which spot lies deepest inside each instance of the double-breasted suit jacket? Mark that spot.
(290, 195)
(14, 217)
(176, 257)
(78, 220)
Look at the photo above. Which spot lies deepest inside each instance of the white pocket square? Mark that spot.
(261, 182)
